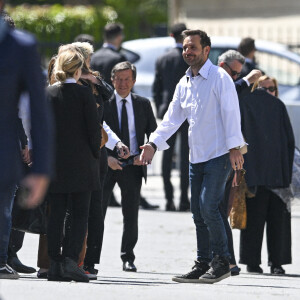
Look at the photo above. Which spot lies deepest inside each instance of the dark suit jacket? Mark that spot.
(169, 69)
(77, 138)
(240, 85)
(267, 129)
(145, 122)
(104, 59)
(20, 71)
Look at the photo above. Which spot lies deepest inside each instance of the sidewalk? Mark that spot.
(166, 247)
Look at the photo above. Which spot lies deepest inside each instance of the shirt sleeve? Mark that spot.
(172, 120)
(230, 112)
(112, 137)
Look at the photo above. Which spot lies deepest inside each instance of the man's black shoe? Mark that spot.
(16, 264)
(91, 269)
(219, 270)
(277, 270)
(128, 266)
(184, 206)
(193, 276)
(146, 205)
(170, 206)
(254, 269)
(235, 271)
(73, 272)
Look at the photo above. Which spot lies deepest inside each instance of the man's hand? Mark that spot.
(37, 186)
(236, 159)
(253, 76)
(113, 163)
(137, 161)
(122, 150)
(147, 154)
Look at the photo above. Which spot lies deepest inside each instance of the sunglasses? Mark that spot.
(270, 88)
(233, 73)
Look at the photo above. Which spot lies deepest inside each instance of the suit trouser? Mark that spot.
(15, 242)
(80, 209)
(96, 218)
(184, 165)
(266, 207)
(130, 182)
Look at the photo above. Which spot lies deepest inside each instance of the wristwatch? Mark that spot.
(153, 146)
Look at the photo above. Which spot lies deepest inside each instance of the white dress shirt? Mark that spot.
(131, 123)
(209, 102)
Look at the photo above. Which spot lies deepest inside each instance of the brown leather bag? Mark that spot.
(104, 137)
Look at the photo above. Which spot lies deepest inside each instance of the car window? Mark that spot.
(285, 71)
(215, 53)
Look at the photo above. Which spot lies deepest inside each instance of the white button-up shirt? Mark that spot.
(131, 123)
(209, 102)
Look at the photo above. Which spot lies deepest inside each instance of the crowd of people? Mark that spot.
(87, 131)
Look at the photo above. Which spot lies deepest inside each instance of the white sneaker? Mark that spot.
(6, 272)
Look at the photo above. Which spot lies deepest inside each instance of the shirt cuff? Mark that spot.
(112, 137)
(246, 80)
(235, 142)
(159, 142)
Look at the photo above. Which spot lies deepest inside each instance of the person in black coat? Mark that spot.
(77, 145)
(108, 55)
(267, 128)
(131, 117)
(169, 68)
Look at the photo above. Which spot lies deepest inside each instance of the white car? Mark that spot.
(274, 59)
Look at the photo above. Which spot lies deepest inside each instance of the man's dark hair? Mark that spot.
(177, 30)
(122, 66)
(246, 46)
(112, 30)
(85, 38)
(204, 38)
(7, 19)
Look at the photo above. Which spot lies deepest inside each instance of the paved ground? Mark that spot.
(166, 247)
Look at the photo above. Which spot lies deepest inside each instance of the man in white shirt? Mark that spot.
(207, 98)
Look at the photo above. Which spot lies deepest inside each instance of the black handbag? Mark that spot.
(29, 220)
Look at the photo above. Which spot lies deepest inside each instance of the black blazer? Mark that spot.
(78, 138)
(240, 85)
(169, 69)
(145, 122)
(267, 129)
(104, 59)
(21, 72)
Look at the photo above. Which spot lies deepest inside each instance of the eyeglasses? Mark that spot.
(233, 73)
(270, 88)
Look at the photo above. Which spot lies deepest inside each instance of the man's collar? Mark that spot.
(111, 46)
(204, 71)
(179, 45)
(248, 60)
(119, 98)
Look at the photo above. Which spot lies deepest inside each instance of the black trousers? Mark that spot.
(96, 217)
(80, 210)
(184, 165)
(223, 210)
(266, 208)
(15, 242)
(130, 182)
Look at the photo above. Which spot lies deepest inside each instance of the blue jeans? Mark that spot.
(208, 181)
(6, 204)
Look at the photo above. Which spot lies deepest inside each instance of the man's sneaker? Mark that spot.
(219, 270)
(6, 272)
(193, 277)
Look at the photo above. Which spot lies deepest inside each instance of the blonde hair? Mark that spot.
(85, 48)
(263, 78)
(67, 63)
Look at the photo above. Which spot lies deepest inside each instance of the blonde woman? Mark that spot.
(77, 151)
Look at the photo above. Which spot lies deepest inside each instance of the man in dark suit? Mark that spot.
(130, 117)
(169, 69)
(107, 56)
(20, 71)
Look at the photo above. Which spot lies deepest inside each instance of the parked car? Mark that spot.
(274, 59)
